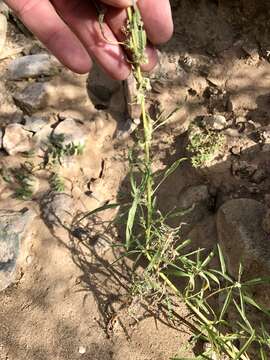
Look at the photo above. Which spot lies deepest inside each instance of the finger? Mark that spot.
(81, 16)
(152, 58)
(116, 19)
(40, 17)
(157, 17)
(118, 3)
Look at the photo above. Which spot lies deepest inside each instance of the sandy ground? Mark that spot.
(67, 301)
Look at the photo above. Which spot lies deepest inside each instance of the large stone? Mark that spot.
(13, 225)
(3, 31)
(33, 98)
(242, 238)
(72, 131)
(16, 139)
(35, 123)
(32, 66)
(203, 236)
(102, 87)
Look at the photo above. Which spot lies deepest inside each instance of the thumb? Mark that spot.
(119, 3)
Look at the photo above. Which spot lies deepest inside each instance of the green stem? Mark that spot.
(208, 326)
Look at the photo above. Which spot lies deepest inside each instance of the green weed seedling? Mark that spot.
(57, 150)
(57, 183)
(25, 181)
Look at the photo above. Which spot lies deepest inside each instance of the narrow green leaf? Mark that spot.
(226, 304)
(245, 346)
(131, 219)
(222, 260)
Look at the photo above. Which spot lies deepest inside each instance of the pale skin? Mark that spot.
(71, 31)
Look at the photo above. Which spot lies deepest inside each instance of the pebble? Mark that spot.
(215, 122)
(82, 350)
(16, 139)
(32, 66)
(32, 98)
(13, 225)
(128, 128)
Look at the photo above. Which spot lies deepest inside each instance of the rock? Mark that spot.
(13, 225)
(193, 195)
(57, 210)
(101, 87)
(215, 122)
(242, 238)
(35, 123)
(16, 139)
(82, 350)
(127, 129)
(33, 98)
(195, 203)
(72, 131)
(3, 31)
(130, 90)
(203, 235)
(32, 66)
(41, 137)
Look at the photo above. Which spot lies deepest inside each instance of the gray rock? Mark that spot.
(3, 31)
(192, 196)
(16, 139)
(73, 132)
(101, 87)
(242, 238)
(32, 66)
(41, 138)
(204, 234)
(13, 225)
(33, 98)
(35, 123)
(57, 210)
(215, 122)
(127, 129)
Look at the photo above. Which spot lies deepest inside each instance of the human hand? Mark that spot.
(71, 31)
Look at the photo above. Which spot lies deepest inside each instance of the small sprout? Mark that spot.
(57, 150)
(25, 181)
(6, 175)
(57, 183)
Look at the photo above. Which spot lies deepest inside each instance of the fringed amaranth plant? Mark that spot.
(149, 236)
(156, 241)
